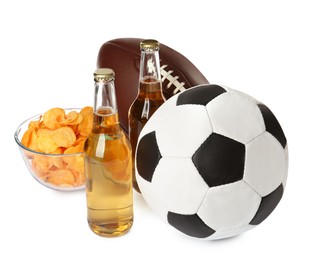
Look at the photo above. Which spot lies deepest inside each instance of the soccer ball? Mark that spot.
(212, 162)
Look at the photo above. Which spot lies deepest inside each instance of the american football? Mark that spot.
(123, 56)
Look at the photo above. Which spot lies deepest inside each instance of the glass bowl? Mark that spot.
(63, 172)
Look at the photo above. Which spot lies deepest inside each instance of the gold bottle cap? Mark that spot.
(149, 45)
(104, 74)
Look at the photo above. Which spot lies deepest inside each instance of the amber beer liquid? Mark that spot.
(108, 169)
(148, 101)
(150, 96)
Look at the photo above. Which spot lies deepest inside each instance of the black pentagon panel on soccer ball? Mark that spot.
(268, 204)
(147, 156)
(200, 95)
(272, 125)
(191, 225)
(220, 160)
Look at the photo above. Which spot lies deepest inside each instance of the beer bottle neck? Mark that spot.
(105, 97)
(150, 66)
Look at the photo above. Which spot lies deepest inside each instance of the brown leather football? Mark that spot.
(123, 56)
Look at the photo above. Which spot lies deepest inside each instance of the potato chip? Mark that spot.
(73, 118)
(63, 137)
(44, 141)
(79, 178)
(74, 149)
(35, 125)
(52, 117)
(59, 150)
(80, 141)
(41, 164)
(60, 177)
(85, 126)
(28, 139)
(75, 129)
(58, 162)
(59, 133)
(76, 164)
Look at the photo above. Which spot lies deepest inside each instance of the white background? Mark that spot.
(48, 52)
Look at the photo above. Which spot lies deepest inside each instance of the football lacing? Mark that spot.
(179, 86)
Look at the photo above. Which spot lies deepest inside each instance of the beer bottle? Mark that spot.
(108, 164)
(150, 95)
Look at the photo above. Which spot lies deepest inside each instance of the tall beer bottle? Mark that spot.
(108, 164)
(150, 95)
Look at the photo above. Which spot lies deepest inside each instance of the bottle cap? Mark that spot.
(104, 74)
(149, 45)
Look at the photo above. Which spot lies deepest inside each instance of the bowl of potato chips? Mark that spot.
(52, 146)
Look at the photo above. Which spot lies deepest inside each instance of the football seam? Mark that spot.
(210, 122)
(251, 186)
(181, 71)
(259, 135)
(173, 80)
